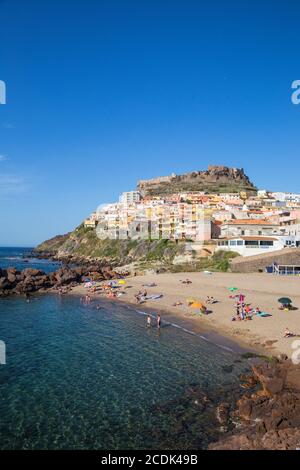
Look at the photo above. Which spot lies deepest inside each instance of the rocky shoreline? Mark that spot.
(267, 416)
(71, 260)
(30, 281)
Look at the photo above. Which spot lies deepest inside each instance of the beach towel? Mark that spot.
(263, 314)
(153, 297)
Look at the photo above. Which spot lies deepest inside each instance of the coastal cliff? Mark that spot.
(82, 246)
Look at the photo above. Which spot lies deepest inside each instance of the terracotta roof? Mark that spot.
(271, 239)
(249, 222)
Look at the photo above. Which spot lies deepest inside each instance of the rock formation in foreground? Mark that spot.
(29, 281)
(269, 418)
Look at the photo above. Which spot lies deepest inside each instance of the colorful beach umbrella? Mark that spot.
(233, 289)
(285, 301)
(122, 282)
(197, 305)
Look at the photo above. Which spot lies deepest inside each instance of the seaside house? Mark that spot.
(249, 227)
(249, 246)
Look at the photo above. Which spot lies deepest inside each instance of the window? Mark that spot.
(251, 243)
(232, 243)
(240, 242)
(266, 243)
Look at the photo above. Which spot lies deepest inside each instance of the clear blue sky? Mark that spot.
(102, 93)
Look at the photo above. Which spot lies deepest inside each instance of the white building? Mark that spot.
(249, 246)
(130, 197)
(262, 193)
(286, 197)
(249, 227)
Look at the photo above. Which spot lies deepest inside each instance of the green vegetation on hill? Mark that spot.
(219, 261)
(83, 242)
(53, 244)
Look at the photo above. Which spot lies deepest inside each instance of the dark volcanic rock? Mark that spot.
(66, 276)
(31, 272)
(269, 418)
(4, 283)
(32, 280)
(95, 276)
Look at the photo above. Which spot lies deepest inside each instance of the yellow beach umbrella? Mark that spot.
(197, 305)
(122, 282)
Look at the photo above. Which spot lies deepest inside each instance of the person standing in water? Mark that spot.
(148, 321)
(158, 321)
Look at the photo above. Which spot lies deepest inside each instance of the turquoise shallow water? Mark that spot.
(77, 377)
(81, 378)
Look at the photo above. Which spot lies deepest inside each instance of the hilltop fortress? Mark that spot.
(216, 179)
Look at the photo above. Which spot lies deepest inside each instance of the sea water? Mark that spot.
(21, 258)
(78, 377)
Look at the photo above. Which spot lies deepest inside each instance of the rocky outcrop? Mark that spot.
(214, 179)
(268, 418)
(28, 281)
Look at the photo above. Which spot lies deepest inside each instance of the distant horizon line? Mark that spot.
(20, 246)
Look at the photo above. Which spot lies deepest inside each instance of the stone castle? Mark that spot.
(215, 179)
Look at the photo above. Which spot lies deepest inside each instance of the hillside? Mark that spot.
(216, 179)
(82, 245)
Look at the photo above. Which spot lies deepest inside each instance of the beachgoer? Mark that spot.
(138, 297)
(287, 333)
(148, 321)
(203, 310)
(158, 321)
(242, 312)
(247, 309)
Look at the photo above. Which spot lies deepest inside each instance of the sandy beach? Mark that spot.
(261, 290)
